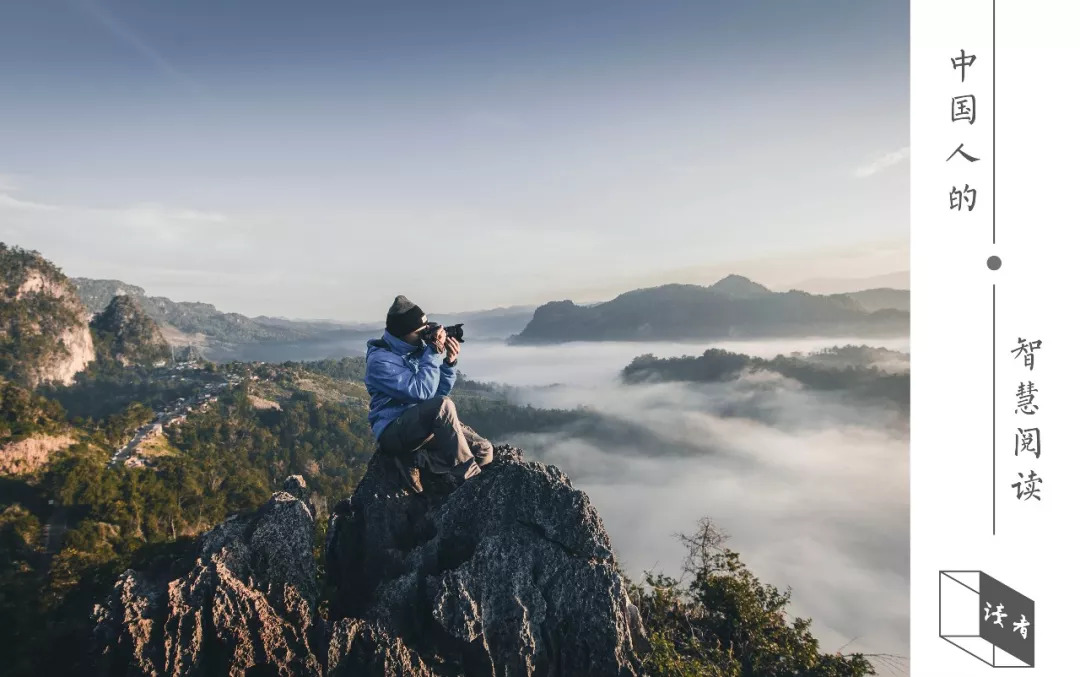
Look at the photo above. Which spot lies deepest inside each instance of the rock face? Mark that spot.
(509, 574)
(44, 336)
(125, 333)
(246, 601)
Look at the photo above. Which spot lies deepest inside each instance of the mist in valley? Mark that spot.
(811, 486)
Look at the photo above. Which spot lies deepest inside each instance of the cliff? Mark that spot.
(510, 574)
(44, 336)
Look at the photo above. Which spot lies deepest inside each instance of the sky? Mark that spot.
(314, 160)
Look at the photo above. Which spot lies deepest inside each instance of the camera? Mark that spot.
(454, 331)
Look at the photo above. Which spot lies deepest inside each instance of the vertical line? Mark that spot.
(939, 611)
(993, 400)
(993, 123)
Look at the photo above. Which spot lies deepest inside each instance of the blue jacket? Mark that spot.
(400, 375)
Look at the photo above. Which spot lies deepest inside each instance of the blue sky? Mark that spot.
(315, 159)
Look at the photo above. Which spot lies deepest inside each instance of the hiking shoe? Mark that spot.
(409, 475)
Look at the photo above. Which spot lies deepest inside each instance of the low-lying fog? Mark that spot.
(812, 490)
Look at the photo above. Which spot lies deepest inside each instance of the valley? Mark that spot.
(155, 448)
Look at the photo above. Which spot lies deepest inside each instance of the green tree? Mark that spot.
(727, 623)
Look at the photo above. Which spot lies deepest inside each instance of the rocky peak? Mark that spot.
(511, 574)
(44, 336)
(128, 335)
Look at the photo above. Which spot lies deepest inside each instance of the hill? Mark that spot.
(734, 307)
(858, 372)
(44, 334)
(124, 333)
(871, 300)
(739, 287)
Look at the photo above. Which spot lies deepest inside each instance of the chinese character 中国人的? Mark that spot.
(998, 614)
(963, 62)
(1022, 626)
(963, 108)
(966, 156)
(1027, 349)
(1026, 488)
(1027, 439)
(1025, 396)
(959, 198)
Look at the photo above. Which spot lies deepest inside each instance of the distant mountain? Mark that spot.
(739, 287)
(311, 326)
(900, 279)
(96, 295)
(734, 307)
(881, 299)
(44, 336)
(497, 323)
(125, 333)
(232, 336)
(188, 322)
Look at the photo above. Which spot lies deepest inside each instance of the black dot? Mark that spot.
(993, 263)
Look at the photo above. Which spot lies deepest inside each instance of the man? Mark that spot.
(409, 380)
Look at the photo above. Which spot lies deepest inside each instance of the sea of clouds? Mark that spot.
(811, 487)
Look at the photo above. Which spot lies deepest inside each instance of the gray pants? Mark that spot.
(456, 448)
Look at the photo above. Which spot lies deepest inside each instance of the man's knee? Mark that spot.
(445, 406)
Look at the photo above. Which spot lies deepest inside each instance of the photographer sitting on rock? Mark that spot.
(411, 413)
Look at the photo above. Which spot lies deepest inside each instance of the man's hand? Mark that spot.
(453, 348)
(439, 341)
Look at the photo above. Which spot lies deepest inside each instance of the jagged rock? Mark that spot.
(511, 574)
(356, 648)
(297, 486)
(247, 601)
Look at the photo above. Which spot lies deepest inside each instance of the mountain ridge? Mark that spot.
(734, 307)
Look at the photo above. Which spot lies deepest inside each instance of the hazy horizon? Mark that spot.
(821, 286)
(275, 161)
